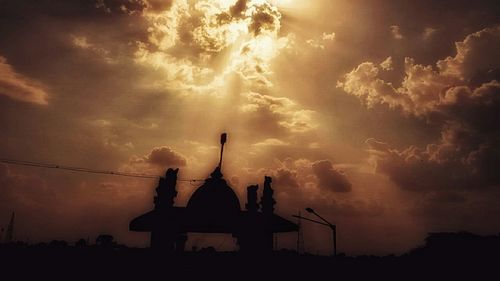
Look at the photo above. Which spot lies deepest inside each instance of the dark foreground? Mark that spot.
(446, 257)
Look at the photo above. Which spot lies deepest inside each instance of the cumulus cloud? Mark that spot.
(387, 64)
(330, 178)
(19, 87)
(264, 18)
(303, 178)
(286, 180)
(425, 89)
(449, 96)
(364, 82)
(238, 8)
(247, 32)
(276, 114)
(162, 157)
(297, 186)
(319, 43)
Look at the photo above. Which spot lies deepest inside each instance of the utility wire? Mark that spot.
(84, 170)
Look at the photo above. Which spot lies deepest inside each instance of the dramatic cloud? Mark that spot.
(286, 179)
(426, 90)
(18, 87)
(265, 18)
(163, 157)
(467, 153)
(127, 75)
(277, 115)
(330, 178)
(207, 30)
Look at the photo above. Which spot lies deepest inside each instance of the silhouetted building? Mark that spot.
(212, 208)
(105, 240)
(451, 244)
(81, 243)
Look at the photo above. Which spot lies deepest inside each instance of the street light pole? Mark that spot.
(334, 232)
(333, 227)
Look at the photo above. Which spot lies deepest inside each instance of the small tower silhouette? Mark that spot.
(163, 238)
(166, 191)
(252, 205)
(267, 203)
(267, 200)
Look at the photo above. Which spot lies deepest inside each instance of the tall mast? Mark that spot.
(223, 139)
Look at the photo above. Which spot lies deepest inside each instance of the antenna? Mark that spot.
(223, 139)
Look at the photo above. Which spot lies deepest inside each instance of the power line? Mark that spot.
(84, 170)
(74, 169)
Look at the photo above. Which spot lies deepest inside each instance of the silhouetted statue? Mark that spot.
(267, 203)
(267, 200)
(252, 205)
(166, 191)
(164, 237)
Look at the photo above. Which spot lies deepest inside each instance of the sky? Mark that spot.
(381, 115)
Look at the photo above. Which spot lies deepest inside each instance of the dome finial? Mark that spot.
(223, 138)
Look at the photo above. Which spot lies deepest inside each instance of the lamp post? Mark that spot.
(333, 227)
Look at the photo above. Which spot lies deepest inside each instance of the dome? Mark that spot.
(215, 196)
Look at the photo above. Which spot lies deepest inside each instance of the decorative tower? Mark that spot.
(166, 191)
(267, 200)
(267, 203)
(162, 237)
(252, 205)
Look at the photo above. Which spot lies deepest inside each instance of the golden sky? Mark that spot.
(382, 115)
